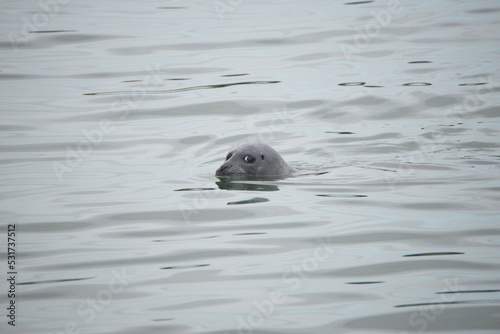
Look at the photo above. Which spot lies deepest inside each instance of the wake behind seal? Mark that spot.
(254, 161)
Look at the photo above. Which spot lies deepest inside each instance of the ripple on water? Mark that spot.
(390, 227)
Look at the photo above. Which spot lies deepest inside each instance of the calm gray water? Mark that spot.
(115, 115)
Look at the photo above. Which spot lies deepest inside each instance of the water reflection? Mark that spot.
(178, 90)
(250, 201)
(467, 291)
(358, 2)
(185, 266)
(194, 189)
(434, 254)
(358, 83)
(417, 84)
(227, 184)
(55, 281)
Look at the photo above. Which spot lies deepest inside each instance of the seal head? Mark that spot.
(254, 161)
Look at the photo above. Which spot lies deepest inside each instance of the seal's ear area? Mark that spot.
(262, 156)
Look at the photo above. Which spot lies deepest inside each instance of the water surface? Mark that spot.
(115, 116)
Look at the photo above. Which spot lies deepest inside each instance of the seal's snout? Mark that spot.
(222, 170)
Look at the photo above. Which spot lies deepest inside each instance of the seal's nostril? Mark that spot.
(221, 169)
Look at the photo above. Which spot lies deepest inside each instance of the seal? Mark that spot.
(254, 161)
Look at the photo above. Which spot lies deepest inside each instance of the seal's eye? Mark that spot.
(229, 155)
(250, 159)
